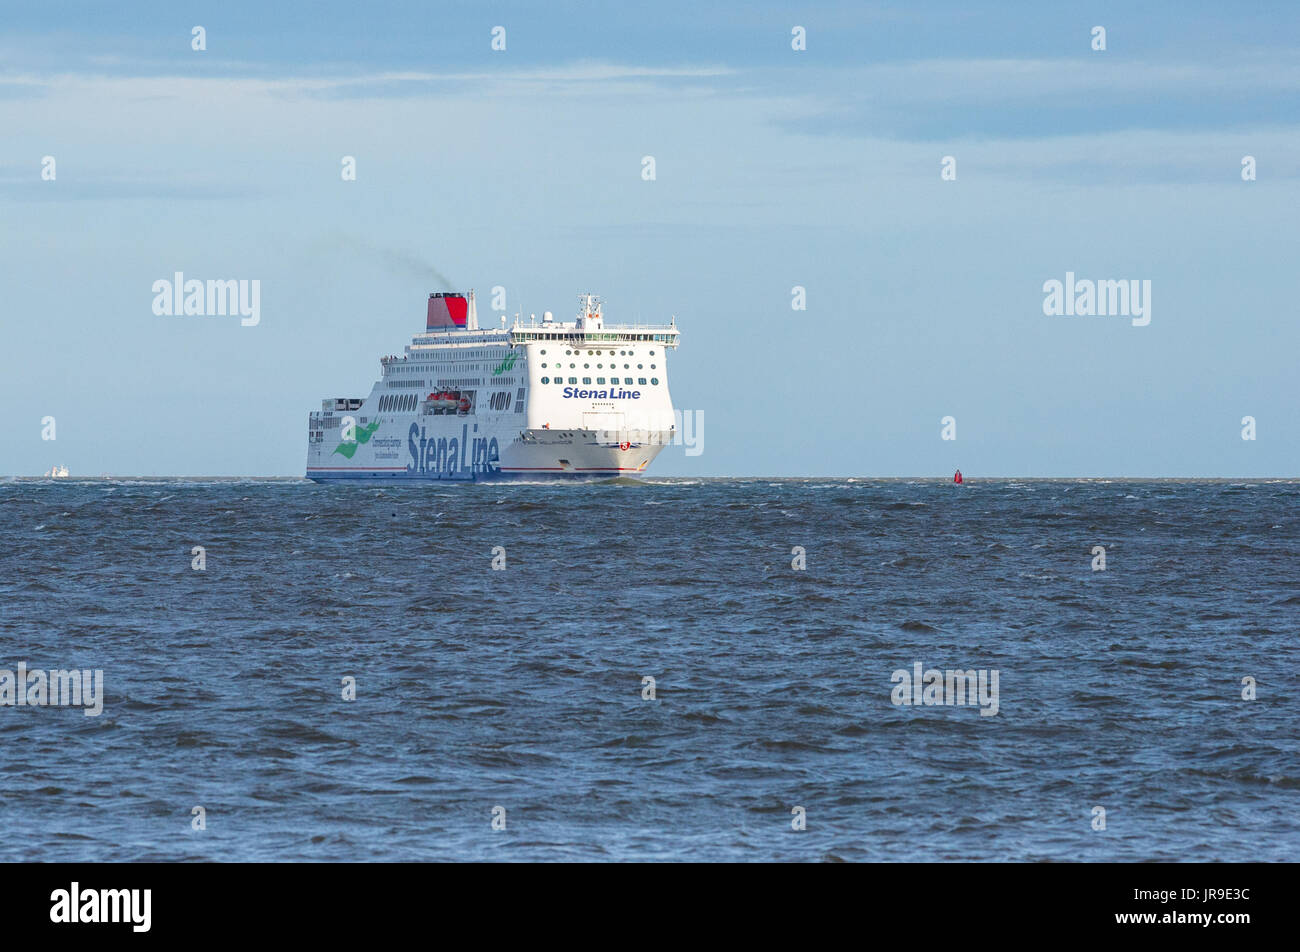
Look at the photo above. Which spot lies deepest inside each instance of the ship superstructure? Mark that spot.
(536, 399)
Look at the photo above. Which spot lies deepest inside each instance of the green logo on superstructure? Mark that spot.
(364, 433)
(505, 365)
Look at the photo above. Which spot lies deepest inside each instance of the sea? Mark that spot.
(660, 669)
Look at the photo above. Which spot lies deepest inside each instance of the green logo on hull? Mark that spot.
(364, 434)
(505, 365)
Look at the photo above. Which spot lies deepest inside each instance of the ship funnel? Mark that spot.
(447, 312)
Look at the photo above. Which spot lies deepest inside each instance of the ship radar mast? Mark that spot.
(589, 315)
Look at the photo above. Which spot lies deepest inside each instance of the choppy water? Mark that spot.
(522, 688)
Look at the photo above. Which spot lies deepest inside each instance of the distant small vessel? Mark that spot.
(58, 472)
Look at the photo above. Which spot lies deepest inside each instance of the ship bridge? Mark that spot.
(589, 328)
(665, 334)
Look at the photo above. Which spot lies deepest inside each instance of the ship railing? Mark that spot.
(646, 335)
(611, 328)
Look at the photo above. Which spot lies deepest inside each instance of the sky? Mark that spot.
(775, 169)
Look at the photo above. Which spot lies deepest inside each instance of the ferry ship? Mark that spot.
(532, 400)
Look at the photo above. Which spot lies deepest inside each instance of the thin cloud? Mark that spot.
(575, 73)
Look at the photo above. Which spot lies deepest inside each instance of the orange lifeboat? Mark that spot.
(464, 404)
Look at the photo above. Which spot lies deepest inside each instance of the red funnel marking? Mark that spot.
(446, 311)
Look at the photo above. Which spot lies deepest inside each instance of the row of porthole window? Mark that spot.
(602, 366)
(596, 353)
(654, 381)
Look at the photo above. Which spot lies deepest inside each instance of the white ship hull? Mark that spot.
(409, 447)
